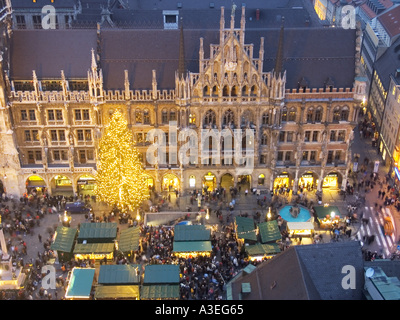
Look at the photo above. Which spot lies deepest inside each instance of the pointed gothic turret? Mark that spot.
(182, 64)
(279, 55)
(95, 80)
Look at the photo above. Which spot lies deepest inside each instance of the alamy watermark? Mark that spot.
(49, 19)
(237, 147)
(348, 18)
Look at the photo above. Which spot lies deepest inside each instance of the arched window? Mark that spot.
(192, 118)
(164, 116)
(225, 91)
(265, 118)
(146, 117)
(172, 115)
(261, 179)
(215, 91)
(234, 91)
(292, 115)
(210, 118)
(318, 115)
(310, 115)
(253, 90)
(228, 117)
(284, 116)
(192, 181)
(245, 91)
(264, 139)
(336, 114)
(206, 91)
(138, 117)
(344, 114)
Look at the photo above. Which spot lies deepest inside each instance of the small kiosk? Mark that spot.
(80, 283)
(63, 244)
(161, 281)
(192, 241)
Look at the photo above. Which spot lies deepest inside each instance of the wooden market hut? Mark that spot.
(192, 240)
(161, 281)
(121, 281)
(64, 241)
(80, 284)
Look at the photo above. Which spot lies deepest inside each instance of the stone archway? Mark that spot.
(227, 181)
(209, 182)
(61, 185)
(332, 180)
(308, 181)
(170, 182)
(35, 185)
(86, 184)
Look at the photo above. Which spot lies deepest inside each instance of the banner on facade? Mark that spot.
(376, 166)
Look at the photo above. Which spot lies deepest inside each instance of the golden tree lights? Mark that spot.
(120, 175)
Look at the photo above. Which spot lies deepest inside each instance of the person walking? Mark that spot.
(40, 238)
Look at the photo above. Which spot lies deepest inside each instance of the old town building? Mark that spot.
(292, 87)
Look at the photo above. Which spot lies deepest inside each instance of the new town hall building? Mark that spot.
(295, 85)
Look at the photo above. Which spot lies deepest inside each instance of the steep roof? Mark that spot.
(388, 63)
(308, 272)
(390, 21)
(312, 53)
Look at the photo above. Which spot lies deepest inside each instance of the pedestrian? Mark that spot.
(40, 238)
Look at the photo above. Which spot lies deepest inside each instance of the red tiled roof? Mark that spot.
(368, 11)
(390, 20)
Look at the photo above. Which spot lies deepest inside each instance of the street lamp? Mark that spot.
(269, 214)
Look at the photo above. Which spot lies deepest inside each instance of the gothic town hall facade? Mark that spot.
(297, 90)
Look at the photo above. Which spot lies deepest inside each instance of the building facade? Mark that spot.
(260, 122)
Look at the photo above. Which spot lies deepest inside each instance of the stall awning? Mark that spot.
(64, 239)
(80, 283)
(191, 233)
(300, 225)
(97, 232)
(160, 292)
(192, 246)
(117, 292)
(129, 239)
(119, 274)
(95, 248)
(322, 212)
(161, 274)
(245, 228)
(262, 249)
(269, 231)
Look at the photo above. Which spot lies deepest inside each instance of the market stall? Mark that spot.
(192, 241)
(94, 251)
(327, 216)
(129, 240)
(97, 232)
(119, 281)
(161, 281)
(300, 229)
(80, 283)
(246, 231)
(269, 231)
(260, 251)
(63, 243)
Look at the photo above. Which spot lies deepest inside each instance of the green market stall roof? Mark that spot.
(89, 248)
(192, 246)
(164, 291)
(113, 274)
(161, 274)
(117, 292)
(245, 228)
(322, 211)
(97, 232)
(191, 233)
(129, 239)
(64, 239)
(262, 249)
(269, 231)
(80, 283)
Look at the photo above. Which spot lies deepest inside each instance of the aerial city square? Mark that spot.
(196, 150)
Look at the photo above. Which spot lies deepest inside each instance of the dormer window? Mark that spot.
(170, 19)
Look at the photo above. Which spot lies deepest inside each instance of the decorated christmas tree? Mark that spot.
(120, 175)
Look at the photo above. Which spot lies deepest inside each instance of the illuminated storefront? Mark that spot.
(331, 181)
(170, 182)
(261, 179)
(282, 181)
(86, 184)
(35, 183)
(307, 181)
(209, 182)
(149, 182)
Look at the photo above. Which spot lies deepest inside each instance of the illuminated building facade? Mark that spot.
(295, 88)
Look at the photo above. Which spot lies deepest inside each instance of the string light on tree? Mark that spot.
(120, 175)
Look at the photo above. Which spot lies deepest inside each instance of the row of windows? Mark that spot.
(60, 155)
(58, 135)
(55, 115)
